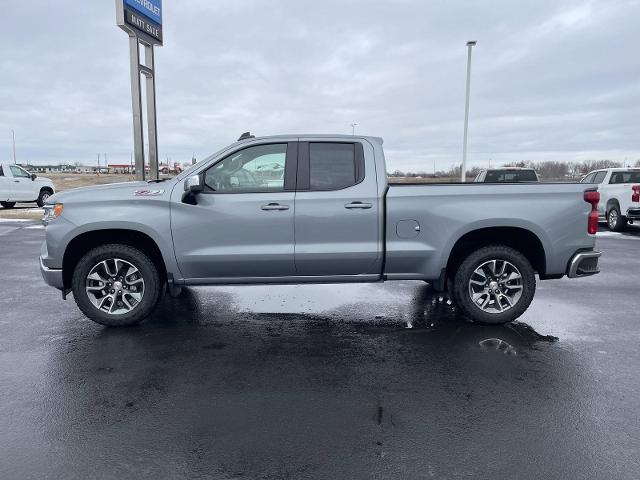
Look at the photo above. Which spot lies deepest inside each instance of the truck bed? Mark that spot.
(444, 212)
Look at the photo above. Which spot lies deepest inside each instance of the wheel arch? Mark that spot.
(84, 242)
(521, 239)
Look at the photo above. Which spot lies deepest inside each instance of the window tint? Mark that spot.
(511, 176)
(252, 170)
(18, 172)
(1, 172)
(599, 177)
(625, 177)
(333, 166)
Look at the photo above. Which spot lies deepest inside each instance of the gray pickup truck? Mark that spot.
(313, 209)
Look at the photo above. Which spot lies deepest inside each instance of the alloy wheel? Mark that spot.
(495, 286)
(115, 286)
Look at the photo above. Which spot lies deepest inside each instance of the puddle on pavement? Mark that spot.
(413, 308)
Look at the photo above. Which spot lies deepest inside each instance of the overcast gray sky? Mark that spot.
(550, 79)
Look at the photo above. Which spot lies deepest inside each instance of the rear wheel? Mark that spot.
(116, 285)
(615, 221)
(494, 285)
(8, 204)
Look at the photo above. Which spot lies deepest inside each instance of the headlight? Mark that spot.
(51, 212)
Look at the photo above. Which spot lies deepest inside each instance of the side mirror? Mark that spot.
(33, 176)
(192, 186)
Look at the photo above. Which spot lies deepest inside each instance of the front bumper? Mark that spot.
(583, 264)
(52, 276)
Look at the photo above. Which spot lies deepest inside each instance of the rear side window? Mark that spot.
(625, 177)
(333, 166)
(1, 172)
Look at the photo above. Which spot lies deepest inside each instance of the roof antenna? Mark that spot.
(245, 136)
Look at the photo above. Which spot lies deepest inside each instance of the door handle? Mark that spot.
(361, 205)
(274, 206)
(16, 181)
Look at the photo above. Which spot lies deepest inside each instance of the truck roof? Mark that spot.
(316, 136)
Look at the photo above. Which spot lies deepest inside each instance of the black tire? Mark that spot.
(463, 276)
(45, 193)
(615, 221)
(8, 204)
(152, 284)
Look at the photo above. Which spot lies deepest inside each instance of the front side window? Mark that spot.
(18, 172)
(333, 166)
(255, 169)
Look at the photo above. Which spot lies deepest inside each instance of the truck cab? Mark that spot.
(19, 185)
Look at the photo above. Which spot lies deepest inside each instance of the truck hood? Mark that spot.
(114, 192)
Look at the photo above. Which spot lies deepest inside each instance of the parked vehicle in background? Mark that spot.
(19, 185)
(313, 209)
(507, 175)
(619, 195)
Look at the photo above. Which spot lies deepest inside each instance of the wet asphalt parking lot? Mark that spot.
(328, 381)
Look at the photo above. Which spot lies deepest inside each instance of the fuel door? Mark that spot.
(407, 228)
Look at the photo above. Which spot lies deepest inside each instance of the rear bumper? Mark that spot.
(583, 264)
(52, 276)
(633, 213)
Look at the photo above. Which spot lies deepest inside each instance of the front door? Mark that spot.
(243, 224)
(22, 185)
(337, 210)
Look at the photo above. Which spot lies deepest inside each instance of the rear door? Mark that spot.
(337, 211)
(242, 226)
(6, 185)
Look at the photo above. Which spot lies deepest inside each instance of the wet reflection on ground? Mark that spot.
(428, 313)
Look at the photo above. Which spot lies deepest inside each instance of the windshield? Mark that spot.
(189, 170)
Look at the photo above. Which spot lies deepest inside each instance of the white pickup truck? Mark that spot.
(18, 185)
(619, 195)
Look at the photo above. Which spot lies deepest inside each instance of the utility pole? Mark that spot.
(470, 45)
(353, 128)
(13, 136)
(98, 164)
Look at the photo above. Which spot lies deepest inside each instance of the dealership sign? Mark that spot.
(142, 18)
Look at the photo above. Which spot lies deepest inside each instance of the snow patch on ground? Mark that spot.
(617, 235)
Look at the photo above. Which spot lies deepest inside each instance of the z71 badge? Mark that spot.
(148, 193)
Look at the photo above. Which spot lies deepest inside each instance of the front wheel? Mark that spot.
(494, 285)
(116, 285)
(43, 197)
(8, 204)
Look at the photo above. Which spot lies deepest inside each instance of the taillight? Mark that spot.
(635, 196)
(593, 197)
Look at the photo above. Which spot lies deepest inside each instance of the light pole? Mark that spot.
(353, 128)
(13, 137)
(470, 45)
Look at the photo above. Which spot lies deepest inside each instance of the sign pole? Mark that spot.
(152, 127)
(136, 98)
(142, 20)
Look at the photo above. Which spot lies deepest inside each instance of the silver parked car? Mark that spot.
(327, 216)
